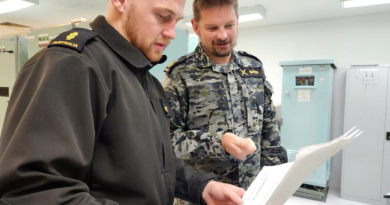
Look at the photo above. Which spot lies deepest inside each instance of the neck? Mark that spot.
(114, 19)
(221, 60)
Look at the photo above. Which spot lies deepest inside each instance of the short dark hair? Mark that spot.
(199, 4)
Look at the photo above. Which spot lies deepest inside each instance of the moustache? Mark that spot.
(220, 42)
(166, 42)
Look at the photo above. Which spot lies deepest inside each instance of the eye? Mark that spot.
(229, 26)
(212, 28)
(164, 18)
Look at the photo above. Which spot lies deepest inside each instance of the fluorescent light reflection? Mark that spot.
(360, 3)
(249, 17)
(13, 5)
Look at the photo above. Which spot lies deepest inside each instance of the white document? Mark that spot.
(304, 95)
(274, 185)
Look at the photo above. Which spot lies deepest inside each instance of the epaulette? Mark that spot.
(249, 55)
(175, 63)
(75, 38)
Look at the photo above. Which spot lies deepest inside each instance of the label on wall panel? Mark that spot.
(305, 70)
(43, 42)
(304, 95)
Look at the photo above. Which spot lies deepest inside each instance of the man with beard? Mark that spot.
(223, 116)
(88, 124)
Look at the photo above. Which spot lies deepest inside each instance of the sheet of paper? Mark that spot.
(265, 184)
(274, 185)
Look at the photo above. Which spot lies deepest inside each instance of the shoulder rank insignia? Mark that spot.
(175, 63)
(251, 72)
(249, 55)
(75, 38)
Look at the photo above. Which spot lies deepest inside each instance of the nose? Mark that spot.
(221, 35)
(170, 31)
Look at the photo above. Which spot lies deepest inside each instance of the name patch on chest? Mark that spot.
(251, 72)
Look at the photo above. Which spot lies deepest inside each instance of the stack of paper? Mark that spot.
(274, 185)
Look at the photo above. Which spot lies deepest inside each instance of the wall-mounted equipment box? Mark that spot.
(306, 114)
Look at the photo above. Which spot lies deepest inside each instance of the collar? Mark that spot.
(202, 60)
(120, 45)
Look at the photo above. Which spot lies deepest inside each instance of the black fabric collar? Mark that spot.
(120, 45)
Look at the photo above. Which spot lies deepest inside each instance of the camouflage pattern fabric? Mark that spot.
(181, 202)
(209, 100)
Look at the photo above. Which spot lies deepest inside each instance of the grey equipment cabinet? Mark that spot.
(13, 55)
(366, 161)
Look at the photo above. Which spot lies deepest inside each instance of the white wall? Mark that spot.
(352, 40)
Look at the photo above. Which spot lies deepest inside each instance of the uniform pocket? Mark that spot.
(204, 97)
(255, 103)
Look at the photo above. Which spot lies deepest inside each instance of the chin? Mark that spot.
(222, 54)
(155, 58)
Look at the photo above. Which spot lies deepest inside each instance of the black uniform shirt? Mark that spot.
(87, 126)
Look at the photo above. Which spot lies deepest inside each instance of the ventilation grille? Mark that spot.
(291, 154)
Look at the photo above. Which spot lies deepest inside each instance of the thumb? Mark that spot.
(246, 144)
(251, 144)
(234, 194)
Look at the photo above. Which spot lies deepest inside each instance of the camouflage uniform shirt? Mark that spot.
(209, 100)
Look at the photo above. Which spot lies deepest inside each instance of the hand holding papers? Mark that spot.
(275, 184)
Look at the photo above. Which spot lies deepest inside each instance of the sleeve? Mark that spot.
(190, 183)
(191, 144)
(272, 152)
(47, 143)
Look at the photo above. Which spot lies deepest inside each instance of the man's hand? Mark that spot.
(237, 146)
(217, 193)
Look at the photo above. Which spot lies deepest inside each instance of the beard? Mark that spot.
(219, 52)
(132, 27)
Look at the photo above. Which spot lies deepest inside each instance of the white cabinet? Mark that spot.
(366, 162)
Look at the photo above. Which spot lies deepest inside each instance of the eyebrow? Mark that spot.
(170, 11)
(215, 25)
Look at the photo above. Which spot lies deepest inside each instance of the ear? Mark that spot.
(195, 26)
(119, 5)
